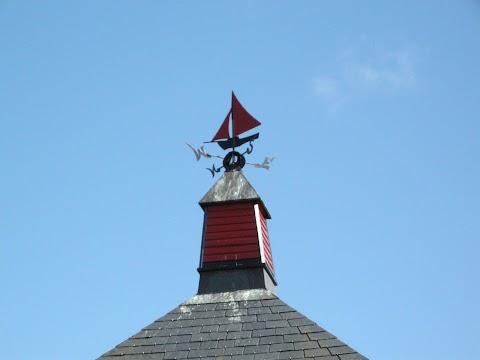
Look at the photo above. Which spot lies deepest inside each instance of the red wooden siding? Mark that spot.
(231, 233)
(266, 243)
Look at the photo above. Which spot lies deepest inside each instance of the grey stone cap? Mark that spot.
(239, 325)
(233, 186)
(240, 295)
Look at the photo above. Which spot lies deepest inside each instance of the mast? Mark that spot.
(233, 127)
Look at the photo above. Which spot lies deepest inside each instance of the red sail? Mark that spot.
(241, 119)
(223, 132)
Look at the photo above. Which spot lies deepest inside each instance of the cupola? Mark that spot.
(235, 250)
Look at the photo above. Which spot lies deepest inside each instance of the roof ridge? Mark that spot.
(239, 295)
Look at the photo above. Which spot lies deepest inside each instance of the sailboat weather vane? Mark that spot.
(241, 121)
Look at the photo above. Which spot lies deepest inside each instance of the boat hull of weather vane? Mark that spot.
(236, 141)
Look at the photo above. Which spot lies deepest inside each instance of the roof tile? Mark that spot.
(276, 323)
(291, 355)
(197, 353)
(243, 357)
(271, 339)
(234, 350)
(239, 334)
(230, 327)
(254, 326)
(281, 347)
(355, 356)
(267, 356)
(303, 345)
(330, 343)
(263, 332)
(316, 352)
(257, 349)
(295, 337)
(323, 335)
(188, 346)
(287, 330)
(247, 342)
(341, 350)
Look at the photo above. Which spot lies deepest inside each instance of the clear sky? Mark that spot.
(371, 109)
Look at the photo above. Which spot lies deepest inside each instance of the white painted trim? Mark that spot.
(204, 232)
(259, 232)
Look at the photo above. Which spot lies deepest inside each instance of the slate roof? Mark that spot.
(241, 325)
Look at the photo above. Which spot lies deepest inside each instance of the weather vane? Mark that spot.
(240, 122)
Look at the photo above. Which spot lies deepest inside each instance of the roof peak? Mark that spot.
(232, 186)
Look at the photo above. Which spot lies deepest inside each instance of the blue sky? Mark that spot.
(372, 112)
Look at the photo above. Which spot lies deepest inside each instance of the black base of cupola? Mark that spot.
(225, 279)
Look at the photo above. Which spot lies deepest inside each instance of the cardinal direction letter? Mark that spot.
(200, 152)
(265, 164)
